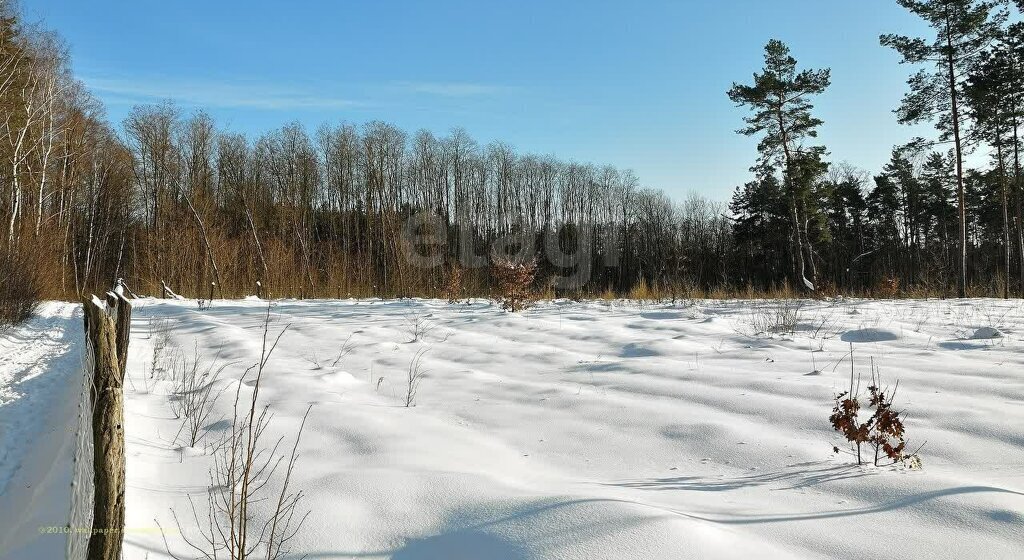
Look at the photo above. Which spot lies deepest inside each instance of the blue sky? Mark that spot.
(639, 85)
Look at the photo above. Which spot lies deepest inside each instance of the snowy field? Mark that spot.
(572, 430)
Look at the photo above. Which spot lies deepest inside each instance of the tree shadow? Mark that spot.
(800, 475)
(891, 505)
(661, 315)
(963, 345)
(466, 544)
(479, 539)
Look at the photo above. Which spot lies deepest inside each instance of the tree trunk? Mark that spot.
(256, 239)
(206, 242)
(960, 191)
(1006, 215)
(1020, 194)
(798, 250)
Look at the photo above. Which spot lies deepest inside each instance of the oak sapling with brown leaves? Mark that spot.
(883, 430)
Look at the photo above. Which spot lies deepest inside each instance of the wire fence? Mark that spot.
(80, 514)
(96, 511)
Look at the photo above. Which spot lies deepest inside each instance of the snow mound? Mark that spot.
(985, 333)
(639, 350)
(869, 335)
(338, 378)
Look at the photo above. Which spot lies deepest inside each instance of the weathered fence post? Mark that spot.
(122, 288)
(122, 326)
(108, 329)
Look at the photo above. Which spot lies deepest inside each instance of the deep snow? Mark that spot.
(602, 430)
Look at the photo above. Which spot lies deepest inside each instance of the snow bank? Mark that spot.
(40, 386)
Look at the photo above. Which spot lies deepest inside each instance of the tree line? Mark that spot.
(349, 210)
(925, 221)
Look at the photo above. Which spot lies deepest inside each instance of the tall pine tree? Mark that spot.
(963, 28)
(780, 99)
(1013, 43)
(990, 99)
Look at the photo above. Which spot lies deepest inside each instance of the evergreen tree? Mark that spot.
(1013, 39)
(939, 183)
(990, 99)
(845, 212)
(963, 28)
(760, 212)
(882, 203)
(780, 101)
(900, 206)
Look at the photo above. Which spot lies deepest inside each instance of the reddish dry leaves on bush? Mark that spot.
(514, 282)
(454, 289)
(888, 427)
(883, 430)
(889, 287)
(844, 420)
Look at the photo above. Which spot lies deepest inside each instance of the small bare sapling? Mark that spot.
(419, 326)
(246, 516)
(414, 377)
(195, 395)
(346, 348)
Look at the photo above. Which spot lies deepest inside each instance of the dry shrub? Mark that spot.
(454, 288)
(641, 291)
(888, 427)
(514, 283)
(773, 317)
(686, 291)
(889, 287)
(549, 290)
(419, 326)
(827, 289)
(20, 291)
(194, 395)
(883, 430)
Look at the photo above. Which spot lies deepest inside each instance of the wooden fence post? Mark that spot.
(108, 338)
(122, 326)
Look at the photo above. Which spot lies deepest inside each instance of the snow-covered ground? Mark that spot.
(40, 386)
(598, 430)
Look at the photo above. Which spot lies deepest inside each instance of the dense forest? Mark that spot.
(350, 210)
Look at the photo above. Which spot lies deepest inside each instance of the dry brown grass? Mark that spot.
(182, 262)
(20, 292)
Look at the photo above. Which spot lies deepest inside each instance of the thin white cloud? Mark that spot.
(213, 94)
(453, 89)
(270, 97)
